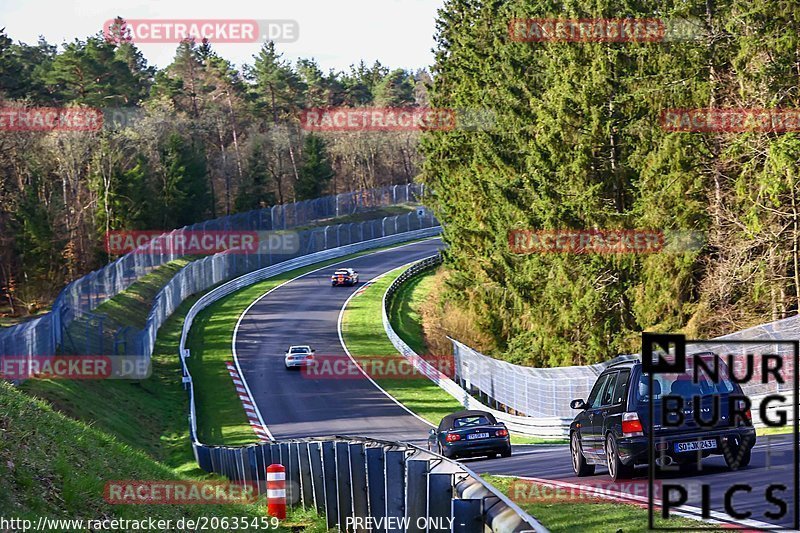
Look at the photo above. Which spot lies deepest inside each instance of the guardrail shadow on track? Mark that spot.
(350, 479)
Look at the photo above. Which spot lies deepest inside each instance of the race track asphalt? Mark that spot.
(294, 405)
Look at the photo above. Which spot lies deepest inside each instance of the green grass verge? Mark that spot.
(221, 419)
(54, 466)
(568, 514)
(404, 310)
(56, 454)
(148, 415)
(362, 330)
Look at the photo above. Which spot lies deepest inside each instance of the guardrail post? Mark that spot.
(317, 475)
(213, 457)
(395, 486)
(329, 478)
(275, 453)
(358, 477)
(343, 484)
(248, 463)
(293, 489)
(440, 494)
(263, 460)
(417, 495)
(203, 456)
(306, 480)
(376, 481)
(468, 516)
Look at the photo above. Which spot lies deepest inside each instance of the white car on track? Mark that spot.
(298, 356)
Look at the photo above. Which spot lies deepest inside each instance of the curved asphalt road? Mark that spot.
(293, 405)
(306, 311)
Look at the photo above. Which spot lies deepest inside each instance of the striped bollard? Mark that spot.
(276, 491)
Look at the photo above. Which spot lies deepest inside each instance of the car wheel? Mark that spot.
(506, 453)
(579, 464)
(616, 469)
(491, 456)
(735, 462)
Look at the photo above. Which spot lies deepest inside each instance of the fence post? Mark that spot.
(317, 475)
(343, 483)
(329, 478)
(468, 516)
(417, 495)
(358, 476)
(440, 494)
(395, 486)
(306, 479)
(376, 481)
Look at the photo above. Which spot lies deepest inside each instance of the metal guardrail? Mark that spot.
(551, 427)
(350, 478)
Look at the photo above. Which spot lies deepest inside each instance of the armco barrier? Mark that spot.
(548, 391)
(45, 334)
(548, 427)
(545, 393)
(350, 478)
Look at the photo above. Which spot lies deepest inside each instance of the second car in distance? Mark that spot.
(298, 356)
(344, 276)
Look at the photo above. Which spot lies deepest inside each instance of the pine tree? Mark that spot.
(316, 171)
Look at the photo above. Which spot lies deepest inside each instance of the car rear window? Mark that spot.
(682, 384)
(469, 421)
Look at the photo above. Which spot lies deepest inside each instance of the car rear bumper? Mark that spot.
(478, 447)
(635, 450)
(298, 364)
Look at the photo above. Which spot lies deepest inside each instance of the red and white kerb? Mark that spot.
(247, 403)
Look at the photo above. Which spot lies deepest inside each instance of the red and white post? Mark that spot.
(276, 491)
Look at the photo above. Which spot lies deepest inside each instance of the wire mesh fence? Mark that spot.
(546, 392)
(50, 333)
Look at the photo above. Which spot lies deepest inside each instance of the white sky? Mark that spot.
(337, 33)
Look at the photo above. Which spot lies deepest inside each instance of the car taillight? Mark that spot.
(741, 405)
(502, 433)
(631, 426)
(452, 437)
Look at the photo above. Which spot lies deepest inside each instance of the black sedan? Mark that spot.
(470, 433)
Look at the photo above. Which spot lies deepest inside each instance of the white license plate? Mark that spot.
(708, 444)
(478, 436)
